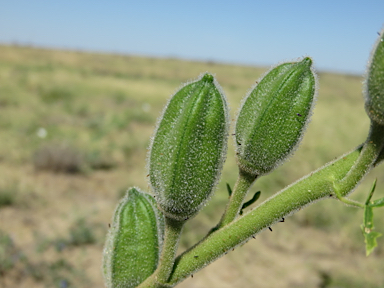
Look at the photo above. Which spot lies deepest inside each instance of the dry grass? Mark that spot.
(58, 157)
(106, 107)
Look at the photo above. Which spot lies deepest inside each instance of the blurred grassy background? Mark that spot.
(74, 130)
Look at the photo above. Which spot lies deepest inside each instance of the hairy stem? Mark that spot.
(243, 183)
(315, 186)
(172, 234)
(368, 156)
(338, 177)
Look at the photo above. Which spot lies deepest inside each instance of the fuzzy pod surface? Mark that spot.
(273, 117)
(374, 100)
(133, 244)
(189, 147)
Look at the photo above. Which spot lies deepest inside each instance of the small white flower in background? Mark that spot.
(146, 107)
(42, 133)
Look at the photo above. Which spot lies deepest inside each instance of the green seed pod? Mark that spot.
(374, 94)
(189, 147)
(273, 117)
(133, 244)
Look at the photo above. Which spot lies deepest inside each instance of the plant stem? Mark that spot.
(309, 189)
(172, 234)
(342, 175)
(349, 202)
(243, 183)
(171, 242)
(368, 156)
(371, 193)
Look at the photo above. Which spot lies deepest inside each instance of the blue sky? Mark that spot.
(337, 34)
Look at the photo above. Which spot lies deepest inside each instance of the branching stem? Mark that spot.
(341, 175)
(315, 186)
(368, 156)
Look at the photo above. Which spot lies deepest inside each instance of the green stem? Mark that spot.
(341, 175)
(371, 193)
(349, 202)
(172, 234)
(243, 183)
(368, 156)
(315, 186)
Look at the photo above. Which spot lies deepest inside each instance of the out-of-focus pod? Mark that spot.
(133, 244)
(374, 93)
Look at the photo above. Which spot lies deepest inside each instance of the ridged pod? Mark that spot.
(273, 117)
(133, 245)
(189, 147)
(374, 103)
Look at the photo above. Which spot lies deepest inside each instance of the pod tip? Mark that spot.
(307, 61)
(208, 77)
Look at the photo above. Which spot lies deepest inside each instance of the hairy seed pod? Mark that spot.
(374, 91)
(189, 147)
(273, 117)
(133, 245)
